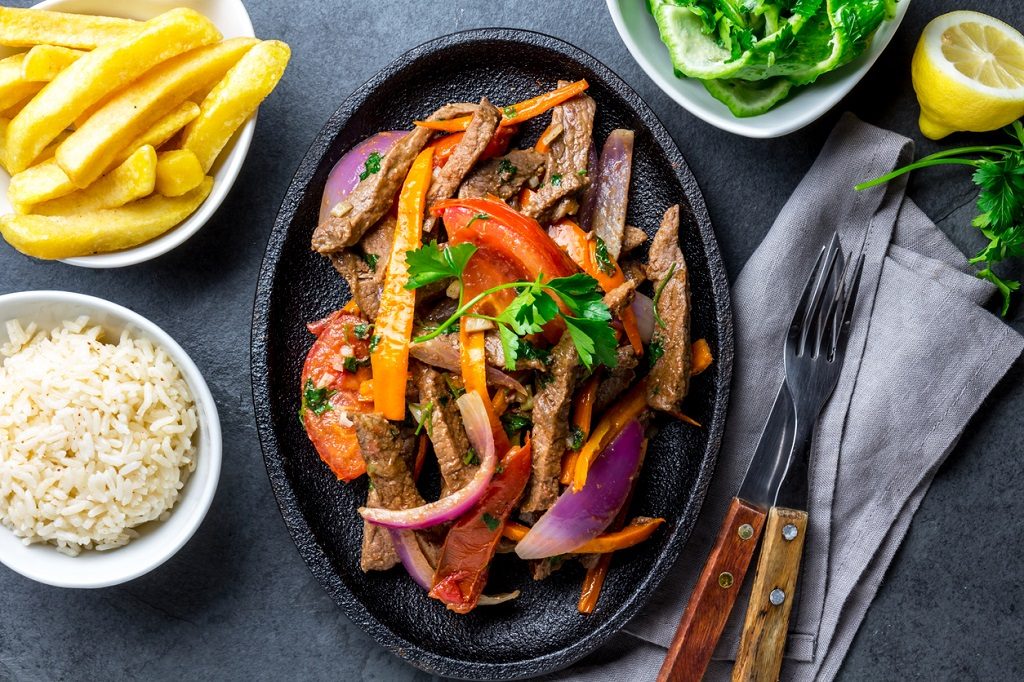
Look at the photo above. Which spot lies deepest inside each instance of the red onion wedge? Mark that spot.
(643, 309)
(586, 212)
(576, 518)
(611, 192)
(440, 353)
(478, 429)
(345, 175)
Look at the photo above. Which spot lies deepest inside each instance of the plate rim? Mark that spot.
(316, 560)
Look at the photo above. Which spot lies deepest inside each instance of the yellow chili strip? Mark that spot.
(624, 411)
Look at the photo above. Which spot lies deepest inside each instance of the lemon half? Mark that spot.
(968, 73)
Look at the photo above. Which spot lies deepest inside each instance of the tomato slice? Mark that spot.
(324, 370)
(492, 224)
(469, 546)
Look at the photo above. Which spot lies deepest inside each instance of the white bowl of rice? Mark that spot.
(110, 443)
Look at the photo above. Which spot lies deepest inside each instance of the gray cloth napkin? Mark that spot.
(923, 354)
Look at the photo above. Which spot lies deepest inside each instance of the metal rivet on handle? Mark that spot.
(746, 531)
(776, 597)
(725, 579)
(789, 532)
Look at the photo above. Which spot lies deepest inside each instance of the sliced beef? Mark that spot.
(669, 379)
(503, 176)
(388, 452)
(353, 263)
(446, 431)
(568, 157)
(633, 238)
(617, 380)
(443, 351)
(620, 297)
(634, 271)
(551, 201)
(350, 218)
(465, 155)
(551, 426)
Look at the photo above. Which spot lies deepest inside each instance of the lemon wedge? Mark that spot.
(968, 73)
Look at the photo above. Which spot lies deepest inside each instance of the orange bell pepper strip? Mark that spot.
(582, 417)
(614, 420)
(633, 534)
(516, 113)
(701, 357)
(444, 146)
(546, 138)
(393, 326)
(583, 251)
(473, 359)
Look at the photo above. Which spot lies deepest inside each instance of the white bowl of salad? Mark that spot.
(759, 68)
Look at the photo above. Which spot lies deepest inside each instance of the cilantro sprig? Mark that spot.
(583, 311)
(999, 173)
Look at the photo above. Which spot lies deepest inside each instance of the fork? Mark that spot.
(814, 351)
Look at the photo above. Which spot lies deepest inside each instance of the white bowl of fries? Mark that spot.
(123, 125)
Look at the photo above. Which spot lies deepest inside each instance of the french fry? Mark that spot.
(4, 122)
(234, 99)
(46, 180)
(28, 27)
(100, 231)
(98, 73)
(131, 111)
(44, 62)
(133, 179)
(13, 87)
(178, 171)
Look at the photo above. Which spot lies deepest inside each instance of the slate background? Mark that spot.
(238, 603)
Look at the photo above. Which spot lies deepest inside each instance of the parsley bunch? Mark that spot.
(999, 173)
(587, 319)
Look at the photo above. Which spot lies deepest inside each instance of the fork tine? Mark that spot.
(829, 333)
(825, 280)
(849, 304)
(800, 314)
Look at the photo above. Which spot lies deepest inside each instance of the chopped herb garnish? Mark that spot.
(604, 259)
(352, 363)
(314, 399)
(529, 351)
(422, 412)
(514, 422)
(506, 171)
(455, 389)
(371, 260)
(556, 180)
(491, 522)
(470, 458)
(582, 172)
(371, 166)
(362, 331)
(374, 342)
(509, 112)
(576, 437)
(657, 296)
(655, 351)
(544, 379)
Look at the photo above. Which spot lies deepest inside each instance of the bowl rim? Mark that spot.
(178, 532)
(226, 172)
(748, 127)
(273, 447)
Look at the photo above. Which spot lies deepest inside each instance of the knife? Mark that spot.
(722, 576)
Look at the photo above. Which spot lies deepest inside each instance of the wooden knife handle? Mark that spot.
(771, 599)
(714, 595)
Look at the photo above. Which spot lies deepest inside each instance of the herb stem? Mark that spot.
(437, 331)
(923, 163)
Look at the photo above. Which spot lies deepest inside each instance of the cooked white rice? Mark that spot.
(95, 437)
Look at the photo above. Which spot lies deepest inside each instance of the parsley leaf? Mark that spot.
(372, 165)
(371, 260)
(352, 364)
(604, 259)
(491, 522)
(316, 399)
(431, 263)
(374, 342)
(654, 351)
(556, 180)
(509, 112)
(576, 437)
(594, 340)
(362, 331)
(506, 171)
(514, 422)
(470, 458)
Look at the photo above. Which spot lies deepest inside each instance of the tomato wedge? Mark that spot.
(333, 389)
(469, 547)
(492, 224)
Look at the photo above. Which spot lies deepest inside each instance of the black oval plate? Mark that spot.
(542, 630)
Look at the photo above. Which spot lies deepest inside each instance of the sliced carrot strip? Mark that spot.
(702, 359)
(592, 584)
(516, 113)
(625, 410)
(633, 534)
(393, 326)
(582, 416)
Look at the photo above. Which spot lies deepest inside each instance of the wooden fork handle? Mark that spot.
(714, 594)
(771, 599)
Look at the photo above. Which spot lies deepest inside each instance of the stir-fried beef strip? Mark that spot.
(617, 379)
(568, 157)
(669, 379)
(365, 271)
(620, 297)
(551, 426)
(634, 270)
(350, 218)
(548, 203)
(388, 452)
(504, 176)
(465, 155)
(447, 432)
(632, 239)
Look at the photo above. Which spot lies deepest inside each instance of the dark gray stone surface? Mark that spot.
(237, 601)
